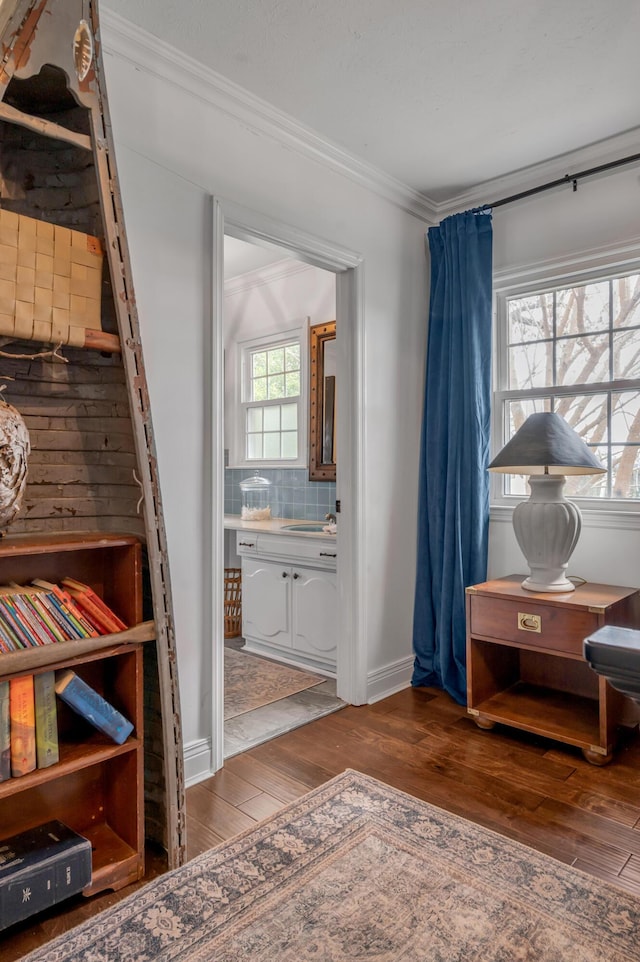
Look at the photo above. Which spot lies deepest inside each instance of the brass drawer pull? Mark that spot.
(529, 622)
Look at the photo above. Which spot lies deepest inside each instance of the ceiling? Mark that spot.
(440, 94)
(241, 257)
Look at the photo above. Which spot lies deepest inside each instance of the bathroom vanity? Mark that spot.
(289, 591)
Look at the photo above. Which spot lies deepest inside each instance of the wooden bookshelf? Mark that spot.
(97, 787)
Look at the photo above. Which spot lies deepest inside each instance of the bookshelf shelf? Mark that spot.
(96, 787)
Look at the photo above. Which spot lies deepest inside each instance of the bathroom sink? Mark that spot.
(310, 526)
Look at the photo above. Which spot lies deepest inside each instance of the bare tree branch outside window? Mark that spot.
(576, 351)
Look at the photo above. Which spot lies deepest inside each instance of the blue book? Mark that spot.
(86, 701)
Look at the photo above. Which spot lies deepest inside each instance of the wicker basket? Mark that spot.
(232, 602)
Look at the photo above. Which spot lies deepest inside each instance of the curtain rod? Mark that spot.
(567, 179)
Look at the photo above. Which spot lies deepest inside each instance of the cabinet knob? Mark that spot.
(246, 544)
(328, 554)
(296, 576)
(284, 574)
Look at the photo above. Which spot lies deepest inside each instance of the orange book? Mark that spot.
(22, 724)
(86, 597)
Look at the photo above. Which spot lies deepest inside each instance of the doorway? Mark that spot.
(273, 302)
(264, 232)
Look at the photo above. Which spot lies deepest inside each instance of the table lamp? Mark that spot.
(547, 526)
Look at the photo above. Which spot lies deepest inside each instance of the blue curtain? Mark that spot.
(453, 518)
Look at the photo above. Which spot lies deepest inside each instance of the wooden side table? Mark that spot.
(526, 667)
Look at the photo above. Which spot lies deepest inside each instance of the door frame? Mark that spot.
(248, 225)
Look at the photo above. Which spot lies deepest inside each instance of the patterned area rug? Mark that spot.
(357, 870)
(251, 682)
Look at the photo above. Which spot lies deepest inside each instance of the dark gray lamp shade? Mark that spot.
(545, 444)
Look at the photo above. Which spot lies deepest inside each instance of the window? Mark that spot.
(271, 407)
(576, 350)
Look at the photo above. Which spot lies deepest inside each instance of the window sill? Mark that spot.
(612, 518)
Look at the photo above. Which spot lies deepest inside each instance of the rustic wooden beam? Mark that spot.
(45, 127)
(91, 339)
(32, 659)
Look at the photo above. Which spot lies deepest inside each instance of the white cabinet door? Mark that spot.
(266, 601)
(314, 612)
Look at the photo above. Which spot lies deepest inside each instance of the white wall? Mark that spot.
(552, 234)
(174, 149)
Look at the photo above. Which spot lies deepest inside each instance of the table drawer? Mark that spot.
(532, 624)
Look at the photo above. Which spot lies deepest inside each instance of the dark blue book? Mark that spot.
(86, 701)
(39, 868)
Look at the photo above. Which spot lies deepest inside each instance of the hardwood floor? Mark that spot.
(536, 791)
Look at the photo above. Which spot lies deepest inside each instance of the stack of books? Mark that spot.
(44, 613)
(39, 614)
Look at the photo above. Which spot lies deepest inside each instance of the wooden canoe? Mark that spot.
(93, 462)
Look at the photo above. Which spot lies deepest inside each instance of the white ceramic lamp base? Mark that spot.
(547, 528)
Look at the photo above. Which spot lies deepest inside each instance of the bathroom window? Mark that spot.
(272, 405)
(575, 349)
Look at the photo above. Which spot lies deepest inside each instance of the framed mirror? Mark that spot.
(322, 402)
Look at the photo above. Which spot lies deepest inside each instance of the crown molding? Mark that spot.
(602, 152)
(132, 43)
(261, 276)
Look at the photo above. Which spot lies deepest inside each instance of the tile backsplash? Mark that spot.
(292, 495)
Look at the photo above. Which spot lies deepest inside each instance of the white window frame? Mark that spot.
(598, 266)
(245, 349)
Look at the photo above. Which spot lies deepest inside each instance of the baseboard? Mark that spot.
(197, 761)
(390, 679)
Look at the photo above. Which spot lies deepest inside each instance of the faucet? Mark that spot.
(331, 518)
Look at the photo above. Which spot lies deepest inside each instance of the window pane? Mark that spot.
(259, 364)
(254, 419)
(292, 357)
(272, 445)
(259, 389)
(626, 472)
(531, 365)
(254, 446)
(530, 318)
(625, 417)
(582, 360)
(589, 485)
(626, 301)
(289, 417)
(516, 484)
(581, 309)
(626, 354)
(276, 386)
(292, 384)
(586, 414)
(272, 418)
(276, 360)
(290, 444)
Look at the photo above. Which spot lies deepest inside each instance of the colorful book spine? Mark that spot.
(94, 604)
(47, 752)
(49, 603)
(32, 625)
(92, 706)
(7, 642)
(12, 626)
(23, 725)
(5, 732)
(39, 868)
(44, 618)
(68, 607)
